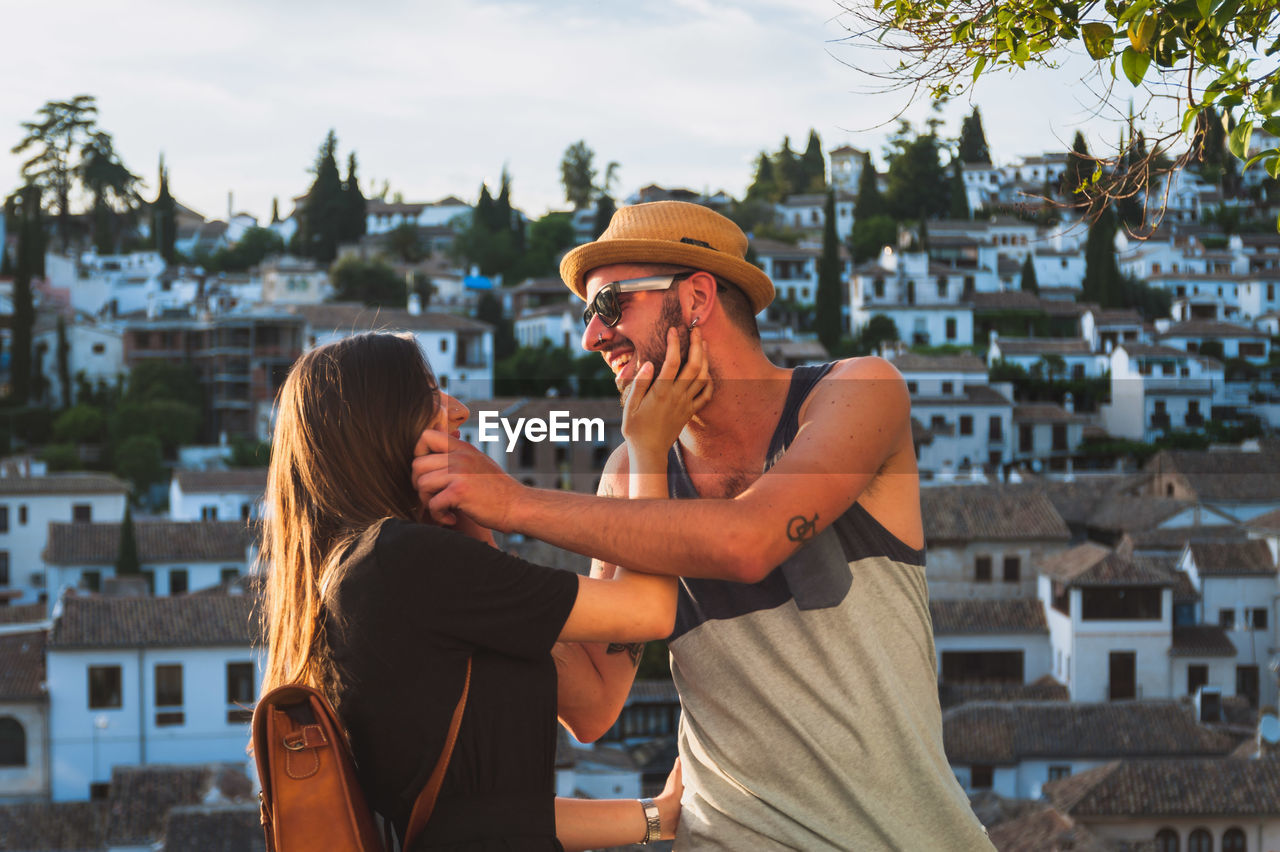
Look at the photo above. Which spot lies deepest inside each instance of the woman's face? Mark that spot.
(450, 414)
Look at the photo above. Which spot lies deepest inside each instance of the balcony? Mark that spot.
(1160, 421)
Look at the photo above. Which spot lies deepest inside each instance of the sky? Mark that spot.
(435, 97)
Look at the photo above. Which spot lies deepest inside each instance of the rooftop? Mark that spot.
(1092, 564)
(22, 675)
(1231, 476)
(158, 541)
(1009, 732)
(964, 513)
(987, 616)
(62, 483)
(1227, 787)
(911, 362)
(1043, 346)
(353, 317)
(1201, 640)
(248, 480)
(1211, 328)
(1250, 558)
(179, 622)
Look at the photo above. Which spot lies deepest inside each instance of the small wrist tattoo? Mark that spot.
(801, 528)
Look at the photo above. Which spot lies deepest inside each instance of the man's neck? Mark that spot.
(747, 398)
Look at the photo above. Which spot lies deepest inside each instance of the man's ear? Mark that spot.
(699, 295)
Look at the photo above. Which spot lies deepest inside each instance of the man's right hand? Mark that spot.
(452, 476)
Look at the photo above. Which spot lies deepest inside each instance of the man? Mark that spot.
(803, 650)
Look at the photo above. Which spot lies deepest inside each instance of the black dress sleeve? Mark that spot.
(464, 590)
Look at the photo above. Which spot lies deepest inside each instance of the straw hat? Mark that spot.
(671, 232)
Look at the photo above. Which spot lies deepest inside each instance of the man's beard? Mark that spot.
(655, 347)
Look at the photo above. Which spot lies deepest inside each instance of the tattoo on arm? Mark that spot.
(634, 649)
(801, 528)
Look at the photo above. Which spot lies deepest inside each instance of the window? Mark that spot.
(942, 286)
(178, 578)
(995, 430)
(1120, 603)
(983, 667)
(1012, 569)
(982, 569)
(1200, 841)
(104, 687)
(22, 514)
(948, 388)
(82, 513)
(966, 424)
(1233, 840)
(13, 742)
(4, 567)
(91, 581)
(1026, 438)
(913, 388)
(1167, 840)
(239, 692)
(878, 286)
(1059, 771)
(99, 349)
(169, 695)
(227, 575)
(1197, 676)
(99, 791)
(1258, 618)
(444, 344)
(981, 777)
(1227, 619)
(951, 328)
(526, 453)
(1059, 436)
(208, 513)
(4, 519)
(245, 511)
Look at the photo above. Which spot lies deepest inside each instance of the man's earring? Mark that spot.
(694, 324)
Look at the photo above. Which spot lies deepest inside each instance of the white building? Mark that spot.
(808, 211)
(1110, 623)
(116, 283)
(1236, 341)
(928, 302)
(24, 717)
(1238, 594)
(558, 325)
(95, 352)
(794, 268)
(211, 495)
(989, 642)
(294, 281)
(28, 504)
(1048, 435)
(1156, 389)
(460, 350)
(846, 168)
(176, 557)
(383, 216)
(1079, 360)
(135, 681)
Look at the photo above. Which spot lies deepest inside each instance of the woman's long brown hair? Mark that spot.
(348, 417)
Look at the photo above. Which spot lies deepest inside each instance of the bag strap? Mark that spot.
(426, 801)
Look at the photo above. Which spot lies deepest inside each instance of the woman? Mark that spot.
(382, 611)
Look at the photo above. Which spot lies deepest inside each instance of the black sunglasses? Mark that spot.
(606, 304)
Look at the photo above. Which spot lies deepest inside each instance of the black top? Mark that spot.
(407, 605)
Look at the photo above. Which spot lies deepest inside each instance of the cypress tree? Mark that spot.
(1102, 283)
(788, 170)
(1079, 168)
(29, 264)
(64, 362)
(1029, 275)
(870, 202)
(164, 222)
(275, 211)
(765, 184)
(128, 564)
(323, 212)
(354, 205)
(814, 165)
(973, 140)
(959, 197)
(605, 208)
(827, 302)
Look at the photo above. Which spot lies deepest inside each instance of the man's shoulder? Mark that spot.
(868, 367)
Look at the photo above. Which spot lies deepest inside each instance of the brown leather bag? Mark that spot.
(310, 796)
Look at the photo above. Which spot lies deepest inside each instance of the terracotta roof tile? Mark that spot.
(987, 616)
(1251, 558)
(250, 480)
(62, 483)
(1006, 733)
(1045, 412)
(1044, 689)
(353, 318)
(24, 613)
(1044, 828)
(1211, 329)
(1269, 523)
(989, 512)
(1223, 476)
(54, 826)
(214, 828)
(141, 796)
(22, 670)
(910, 362)
(1130, 513)
(1092, 564)
(181, 622)
(158, 541)
(1043, 346)
(1201, 640)
(1226, 787)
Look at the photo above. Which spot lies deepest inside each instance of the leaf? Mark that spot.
(978, 66)
(1141, 35)
(1238, 141)
(1273, 166)
(1134, 64)
(1098, 39)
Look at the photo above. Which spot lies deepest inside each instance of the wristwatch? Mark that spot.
(652, 820)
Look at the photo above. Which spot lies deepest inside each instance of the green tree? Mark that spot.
(605, 208)
(1029, 275)
(959, 196)
(140, 459)
(1080, 167)
(1102, 275)
(324, 210)
(577, 174)
(113, 188)
(869, 202)
(788, 169)
(489, 310)
(64, 361)
(870, 235)
(275, 211)
(354, 206)
(827, 301)
(160, 379)
(764, 185)
(80, 424)
(404, 242)
(973, 140)
(917, 181)
(128, 563)
(878, 330)
(54, 139)
(548, 238)
(372, 282)
(164, 222)
(815, 165)
(29, 264)
(1212, 50)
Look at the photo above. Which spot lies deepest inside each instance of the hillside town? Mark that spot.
(1095, 412)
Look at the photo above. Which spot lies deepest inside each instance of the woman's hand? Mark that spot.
(668, 802)
(655, 410)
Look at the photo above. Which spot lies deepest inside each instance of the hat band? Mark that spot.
(691, 241)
